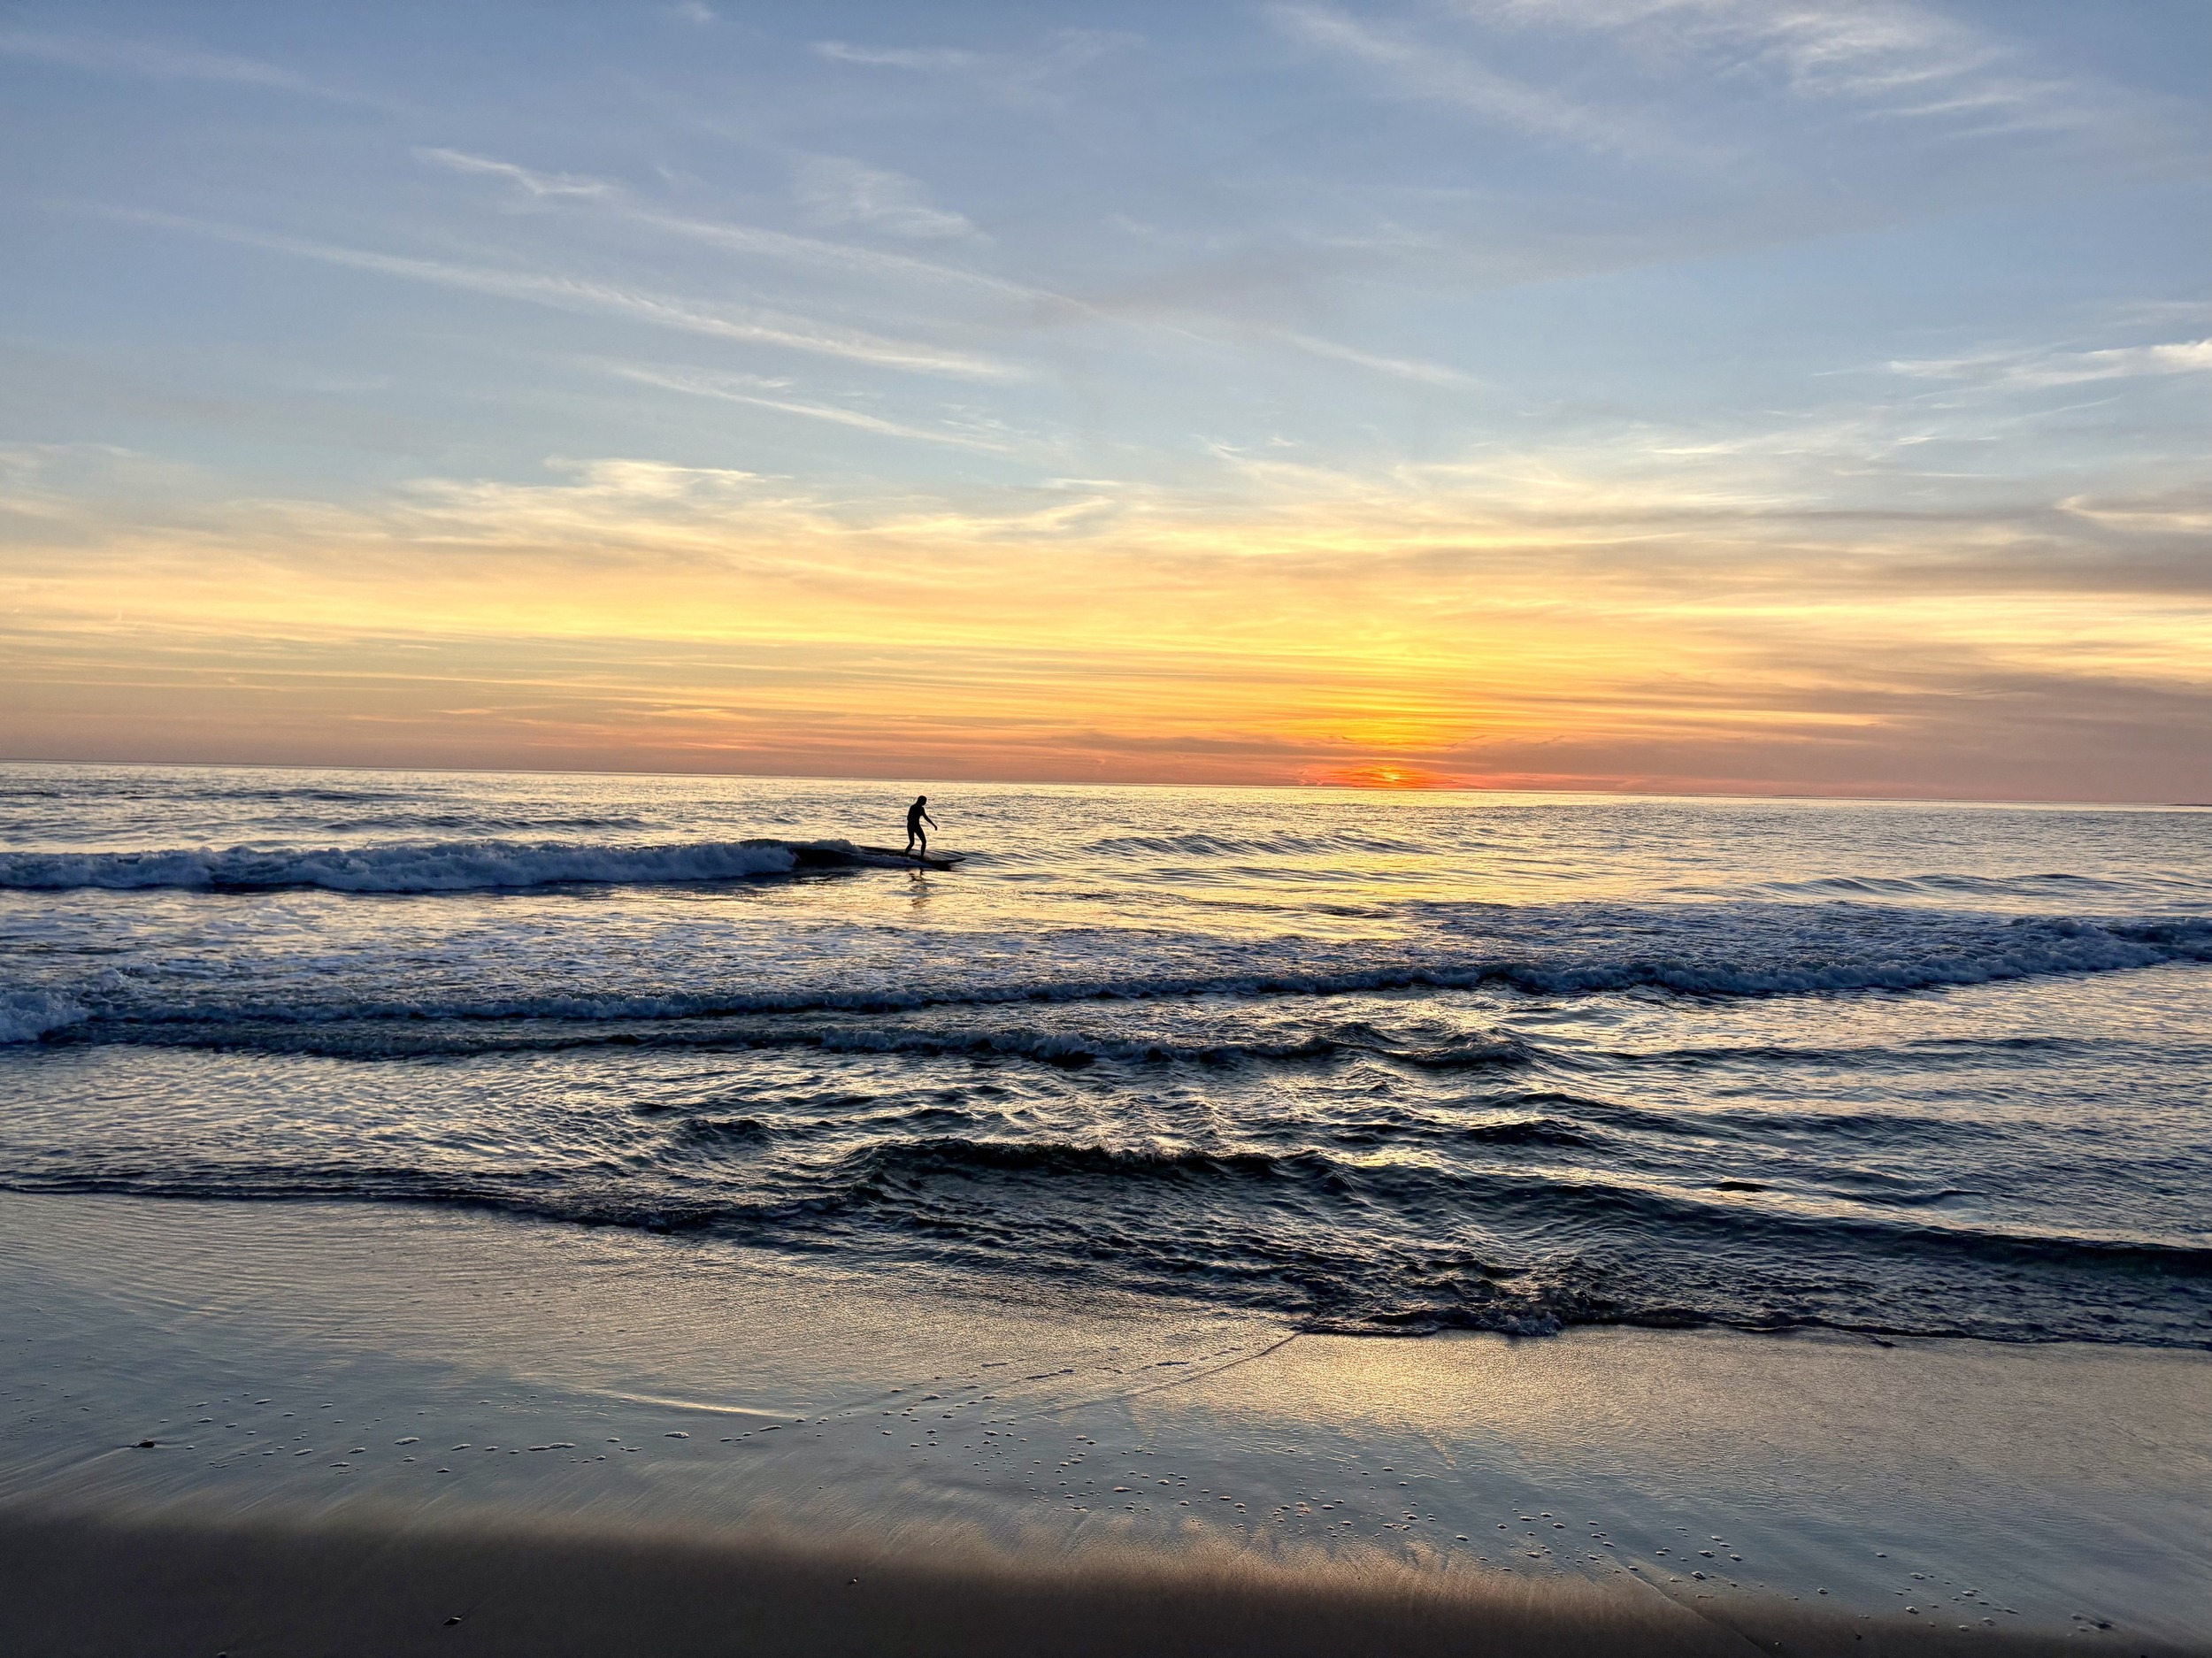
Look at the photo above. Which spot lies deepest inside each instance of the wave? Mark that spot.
(1290, 1231)
(166, 790)
(604, 1204)
(1540, 1132)
(2025, 947)
(28, 1015)
(1624, 1207)
(1071, 1048)
(1077, 1048)
(432, 1032)
(1890, 1130)
(434, 866)
(747, 1131)
(413, 821)
(2053, 884)
(1277, 845)
(1727, 951)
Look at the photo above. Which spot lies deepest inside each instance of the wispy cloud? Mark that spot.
(1863, 60)
(2162, 313)
(535, 185)
(813, 252)
(1415, 68)
(925, 59)
(566, 293)
(838, 191)
(755, 392)
(2185, 511)
(1038, 73)
(1023, 74)
(2031, 370)
(1898, 59)
(1395, 367)
(849, 259)
(154, 60)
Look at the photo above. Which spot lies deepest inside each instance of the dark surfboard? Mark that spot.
(928, 861)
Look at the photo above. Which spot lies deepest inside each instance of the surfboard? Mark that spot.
(928, 861)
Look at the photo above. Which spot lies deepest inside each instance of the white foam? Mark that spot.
(28, 1015)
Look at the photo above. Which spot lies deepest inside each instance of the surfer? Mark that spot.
(915, 818)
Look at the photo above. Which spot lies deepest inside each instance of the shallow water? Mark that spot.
(1375, 1062)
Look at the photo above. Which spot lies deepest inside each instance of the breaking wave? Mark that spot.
(434, 866)
(28, 1015)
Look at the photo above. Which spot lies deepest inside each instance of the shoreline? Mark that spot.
(357, 1412)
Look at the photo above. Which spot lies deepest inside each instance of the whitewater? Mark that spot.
(1383, 1063)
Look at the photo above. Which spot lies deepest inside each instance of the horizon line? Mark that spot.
(1396, 791)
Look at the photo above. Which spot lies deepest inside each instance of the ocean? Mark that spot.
(1378, 1064)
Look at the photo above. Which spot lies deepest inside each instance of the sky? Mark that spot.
(1769, 396)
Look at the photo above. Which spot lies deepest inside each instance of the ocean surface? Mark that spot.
(1375, 1062)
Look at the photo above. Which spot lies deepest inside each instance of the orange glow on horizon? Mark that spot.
(1387, 777)
(636, 616)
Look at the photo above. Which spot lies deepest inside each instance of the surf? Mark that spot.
(442, 866)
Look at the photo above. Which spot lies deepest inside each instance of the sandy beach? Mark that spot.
(274, 1428)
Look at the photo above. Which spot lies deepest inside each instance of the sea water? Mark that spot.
(1370, 1063)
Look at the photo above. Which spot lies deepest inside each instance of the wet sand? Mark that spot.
(282, 1428)
(78, 1588)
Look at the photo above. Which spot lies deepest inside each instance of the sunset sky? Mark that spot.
(1752, 395)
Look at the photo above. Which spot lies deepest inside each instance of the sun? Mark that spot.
(1383, 776)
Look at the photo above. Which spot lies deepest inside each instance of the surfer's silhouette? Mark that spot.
(915, 835)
